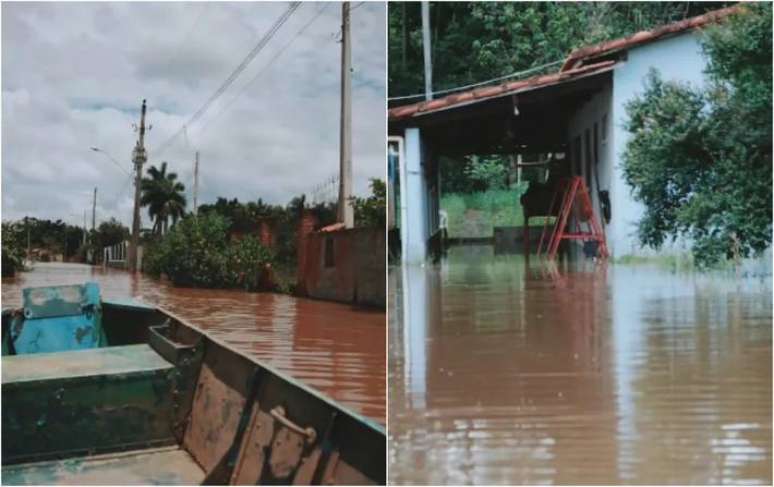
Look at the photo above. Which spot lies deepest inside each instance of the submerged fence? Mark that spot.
(117, 255)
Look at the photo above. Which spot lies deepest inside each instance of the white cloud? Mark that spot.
(74, 75)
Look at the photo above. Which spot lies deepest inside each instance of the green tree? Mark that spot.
(700, 159)
(109, 233)
(370, 212)
(489, 172)
(164, 196)
(13, 248)
(476, 41)
(198, 252)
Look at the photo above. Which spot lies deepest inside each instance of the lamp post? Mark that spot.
(107, 154)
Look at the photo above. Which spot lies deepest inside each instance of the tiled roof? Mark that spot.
(509, 88)
(572, 68)
(577, 57)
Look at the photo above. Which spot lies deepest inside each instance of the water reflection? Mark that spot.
(502, 371)
(334, 348)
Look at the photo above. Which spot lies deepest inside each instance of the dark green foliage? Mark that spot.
(164, 196)
(109, 233)
(54, 236)
(13, 243)
(198, 252)
(371, 211)
(700, 160)
(244, 218)
(476, 41)
(478, 173)
(490, 172)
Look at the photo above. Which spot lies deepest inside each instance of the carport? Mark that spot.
(526, 116)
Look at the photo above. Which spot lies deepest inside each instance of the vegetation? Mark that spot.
(164, 196)
(474, 215)
(13, 243)
(199, 252)
(244, 219)
(476, 41)
(109, 233)
(56, 237)
(371, 211)
(700, 159)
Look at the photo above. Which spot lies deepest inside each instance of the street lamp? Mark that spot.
(118, 164)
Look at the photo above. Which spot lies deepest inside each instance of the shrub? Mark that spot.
(197, 252)
(12, 249)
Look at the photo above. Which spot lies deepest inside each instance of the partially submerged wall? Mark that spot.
(346, 266)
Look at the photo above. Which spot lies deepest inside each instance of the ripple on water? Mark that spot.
(332, 347)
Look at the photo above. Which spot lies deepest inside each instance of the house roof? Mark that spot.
(578, 56)
(488, 92)
(580, 63)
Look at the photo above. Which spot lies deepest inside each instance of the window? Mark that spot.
(329, 256)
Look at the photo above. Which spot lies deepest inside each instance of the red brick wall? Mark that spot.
(266, 234)
(305, 227)
(358, 271)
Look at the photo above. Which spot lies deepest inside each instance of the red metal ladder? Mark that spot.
(574, 199)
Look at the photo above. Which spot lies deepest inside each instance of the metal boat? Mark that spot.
(109, 392)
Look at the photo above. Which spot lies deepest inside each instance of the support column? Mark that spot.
(413, 229)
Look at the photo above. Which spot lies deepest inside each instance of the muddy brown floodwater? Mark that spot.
(500, 372)
(335, 348)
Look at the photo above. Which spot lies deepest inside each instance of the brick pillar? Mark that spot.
(266, 234)
(305, 227)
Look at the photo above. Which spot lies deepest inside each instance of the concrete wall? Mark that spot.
(597, 112)
(677, 58)
(357, 273)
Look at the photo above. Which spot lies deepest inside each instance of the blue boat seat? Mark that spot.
(57, 319)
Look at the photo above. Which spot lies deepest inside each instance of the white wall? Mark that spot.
(598, 110)
(677, 58)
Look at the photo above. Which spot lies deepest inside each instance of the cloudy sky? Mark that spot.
(74, 76)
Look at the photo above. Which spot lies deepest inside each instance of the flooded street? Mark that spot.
(506, 373)
(332, 347)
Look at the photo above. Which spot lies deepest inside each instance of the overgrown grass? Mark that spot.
(475, 215)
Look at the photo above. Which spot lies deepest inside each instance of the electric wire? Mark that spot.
(233, 76)
(264, 68)
(480, 83)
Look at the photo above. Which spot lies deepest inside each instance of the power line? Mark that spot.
(265, 67)
(458, 88)
(233, 76)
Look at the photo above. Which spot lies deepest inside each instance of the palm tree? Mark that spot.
(164, 196)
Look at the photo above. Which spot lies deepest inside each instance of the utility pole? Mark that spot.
(138, 157)
(94, 210)
(84, 226)
(29, 247)
(427, 50)
(196, 184)
(346, 213)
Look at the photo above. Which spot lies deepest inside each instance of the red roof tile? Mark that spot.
(408, 111)
(579, 55)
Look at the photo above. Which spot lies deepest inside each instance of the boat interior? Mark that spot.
(107, 392)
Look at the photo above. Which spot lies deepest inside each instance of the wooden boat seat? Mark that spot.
(158, 466)
(75, 364)
(66, 404)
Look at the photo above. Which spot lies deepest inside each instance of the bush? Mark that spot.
(12, 248)
(700, 159)
(198, 253)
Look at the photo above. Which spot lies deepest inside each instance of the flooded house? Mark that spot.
(574, 117)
